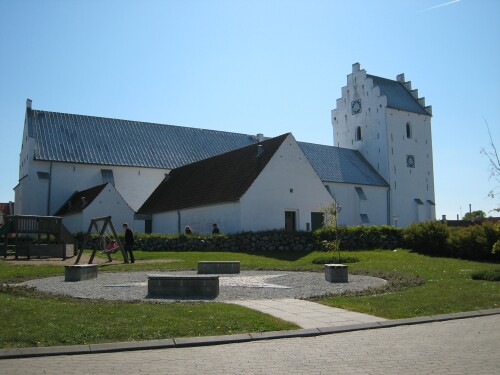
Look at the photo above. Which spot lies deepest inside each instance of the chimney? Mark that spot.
(28, 104)
(259, 137)
(260, 150)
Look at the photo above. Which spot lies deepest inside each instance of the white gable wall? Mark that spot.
(107, 203)
(288, 183)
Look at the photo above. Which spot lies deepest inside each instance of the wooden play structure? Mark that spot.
(100, 225)
(31, 236)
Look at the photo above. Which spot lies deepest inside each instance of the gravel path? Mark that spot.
(246, 285)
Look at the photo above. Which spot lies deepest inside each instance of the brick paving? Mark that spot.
(461, 346)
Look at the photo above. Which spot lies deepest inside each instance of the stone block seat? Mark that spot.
(80, 272)
(336, 273)
(183, 285)
(218, 267)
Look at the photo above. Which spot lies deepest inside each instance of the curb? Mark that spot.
(230, 339)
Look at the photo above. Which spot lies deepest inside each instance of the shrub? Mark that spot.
(490, 275)
(474, 242)
(362, 237)
(427, 238)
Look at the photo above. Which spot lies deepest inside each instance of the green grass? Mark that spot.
(29, 321)
(448, 286)
(31, 318)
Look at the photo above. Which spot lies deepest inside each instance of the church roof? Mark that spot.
(398, 97)
(105, 141)
(336, 164)
(222, 178)
(97, 140)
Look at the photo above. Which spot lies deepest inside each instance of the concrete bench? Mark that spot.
(336, 273)
(183, 286)
(215, 267)
(79, 272)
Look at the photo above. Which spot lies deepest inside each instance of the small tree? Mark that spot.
(494, 160)
(331, 212)
(475, 215)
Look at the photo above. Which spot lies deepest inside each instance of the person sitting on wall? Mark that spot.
(215, 229)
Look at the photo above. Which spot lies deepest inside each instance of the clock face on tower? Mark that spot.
(356, 106)
(410, 161)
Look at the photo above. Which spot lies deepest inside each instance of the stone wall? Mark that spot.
(275, 241)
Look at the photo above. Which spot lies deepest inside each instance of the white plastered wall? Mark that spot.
(288, 183)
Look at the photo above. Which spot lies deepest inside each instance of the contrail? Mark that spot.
(440, 5)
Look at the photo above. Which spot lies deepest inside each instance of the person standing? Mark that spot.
(215, 229)
(129, 242)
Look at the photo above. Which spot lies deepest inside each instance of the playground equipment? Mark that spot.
(23, 237)
(105, 221)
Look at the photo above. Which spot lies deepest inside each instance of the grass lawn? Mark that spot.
(34, 319)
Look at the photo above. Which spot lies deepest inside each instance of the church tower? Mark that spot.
(390, 126)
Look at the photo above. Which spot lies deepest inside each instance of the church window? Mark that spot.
(107, 176)
(43, 175)
(408, 130)
(358, 133)
(361, 193)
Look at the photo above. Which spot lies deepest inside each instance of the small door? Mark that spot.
(148, 226)
(317, 220)
(290, 221)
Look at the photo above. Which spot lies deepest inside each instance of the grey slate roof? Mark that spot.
(336, 164)
(397, 95)
(97, 140)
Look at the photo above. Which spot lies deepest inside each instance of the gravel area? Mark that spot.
(246, 285)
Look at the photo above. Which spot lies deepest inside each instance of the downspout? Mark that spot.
(50, 190)
(389, 205)
(178, 222)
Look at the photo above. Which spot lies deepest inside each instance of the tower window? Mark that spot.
(408, 130)
(358, 133)
(361, 193)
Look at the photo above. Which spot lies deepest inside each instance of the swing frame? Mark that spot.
(94, 224)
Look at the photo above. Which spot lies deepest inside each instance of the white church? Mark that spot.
(160, 178)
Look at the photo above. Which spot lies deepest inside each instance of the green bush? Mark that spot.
(490, 275)
(361, 237)
(427, 238)
(474, 242)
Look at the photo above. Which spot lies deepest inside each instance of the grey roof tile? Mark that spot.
(343, 165)
(96, 140)
(397, 95)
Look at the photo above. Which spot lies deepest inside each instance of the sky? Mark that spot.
(257, 66)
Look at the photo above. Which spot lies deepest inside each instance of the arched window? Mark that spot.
(408, 130)
(358, 133)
